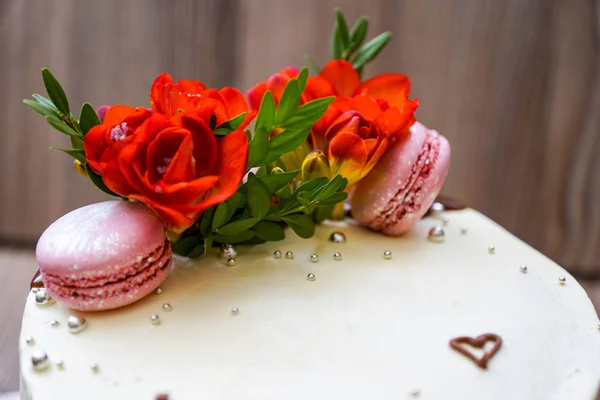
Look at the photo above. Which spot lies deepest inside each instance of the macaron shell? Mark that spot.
(404, 183)
(117, 294)
(104, 256)
(94, 240)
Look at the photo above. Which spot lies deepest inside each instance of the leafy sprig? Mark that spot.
(289, 120)
(347, 45)
(270, 199)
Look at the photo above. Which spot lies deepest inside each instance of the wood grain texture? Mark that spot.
(514, 85)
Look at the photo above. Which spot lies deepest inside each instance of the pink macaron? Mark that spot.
(104, 256)
(405, 182)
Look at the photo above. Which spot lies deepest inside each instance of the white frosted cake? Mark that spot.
(364, 324)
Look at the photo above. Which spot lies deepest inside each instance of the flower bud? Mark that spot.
(80, 168)
(315, 165)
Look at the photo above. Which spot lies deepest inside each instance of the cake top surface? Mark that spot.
(362, 326)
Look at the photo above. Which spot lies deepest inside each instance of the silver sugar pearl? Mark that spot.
(95, 368)
(289, 255)
(491, 249)
(154, 319)
(43, 298)
(562, 280)
(54, 323)
(436, 234)
(387, 255)
(76, 324)
(40, 361)
(463, 231)
(277, 254)
(337, 256)
(29, 341)
(337, 237)
(314, 258)
(235, 310)
(158, 290)
(437, 208)
(415, 393)
(59, 364)
(167, 307)
(228, 251)
(231, 262)
(523, 268)
(311, 277)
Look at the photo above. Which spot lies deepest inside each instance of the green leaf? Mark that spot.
(336, 45)
(97, 180)
(275, 182)
(237, 227)
(230, 126)
(212, 124)
(185, 245)
(288, 103)
(266, 113)
(259, 200)
(41, 108)
(305, 187)
(262, 171)
(322, 213)
(258, 148)
(342, 28)
(327, 190)
(313, 64)
(248, 135)
(304, 199)
(302, 224)
(370, 50)
(286, 141)
(78, 154)
(208, 242)
(55, 92)
(197, 251)
(269, 231)
(309, 113)
(76, 142)
(357, 36)
(301, 79)
(206, 222)
(233, 203)
(220, 217)
(88, 118)
(45, 101)
(334, 199)
(235, 238)
(60, 126)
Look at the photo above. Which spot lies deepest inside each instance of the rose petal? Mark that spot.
(393, 88)
(317, 88)
(342, 75)
(205, 143)
(256, 94)
(169, 157)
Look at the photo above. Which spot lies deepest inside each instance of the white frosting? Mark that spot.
(366, 328)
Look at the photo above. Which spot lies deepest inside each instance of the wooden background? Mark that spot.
(513, 84)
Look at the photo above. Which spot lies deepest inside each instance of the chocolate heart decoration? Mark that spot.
(478, 342)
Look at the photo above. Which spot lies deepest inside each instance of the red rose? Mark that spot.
(176, 166)
(170, 98)
(108, 139)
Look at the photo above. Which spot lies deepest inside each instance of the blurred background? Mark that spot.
(513, 84)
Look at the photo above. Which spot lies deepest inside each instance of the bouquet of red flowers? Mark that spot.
(220, 169)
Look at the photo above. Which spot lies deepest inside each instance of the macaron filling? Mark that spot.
(118, 283)
(407, 199)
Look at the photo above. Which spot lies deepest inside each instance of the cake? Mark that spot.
(286, 245)
(359, 327)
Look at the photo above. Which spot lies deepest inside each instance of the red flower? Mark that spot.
(105, 141)
(176, 166)
(316, 88)
(170, 98)
(383, 98)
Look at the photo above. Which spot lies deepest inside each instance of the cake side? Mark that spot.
(362, 327)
